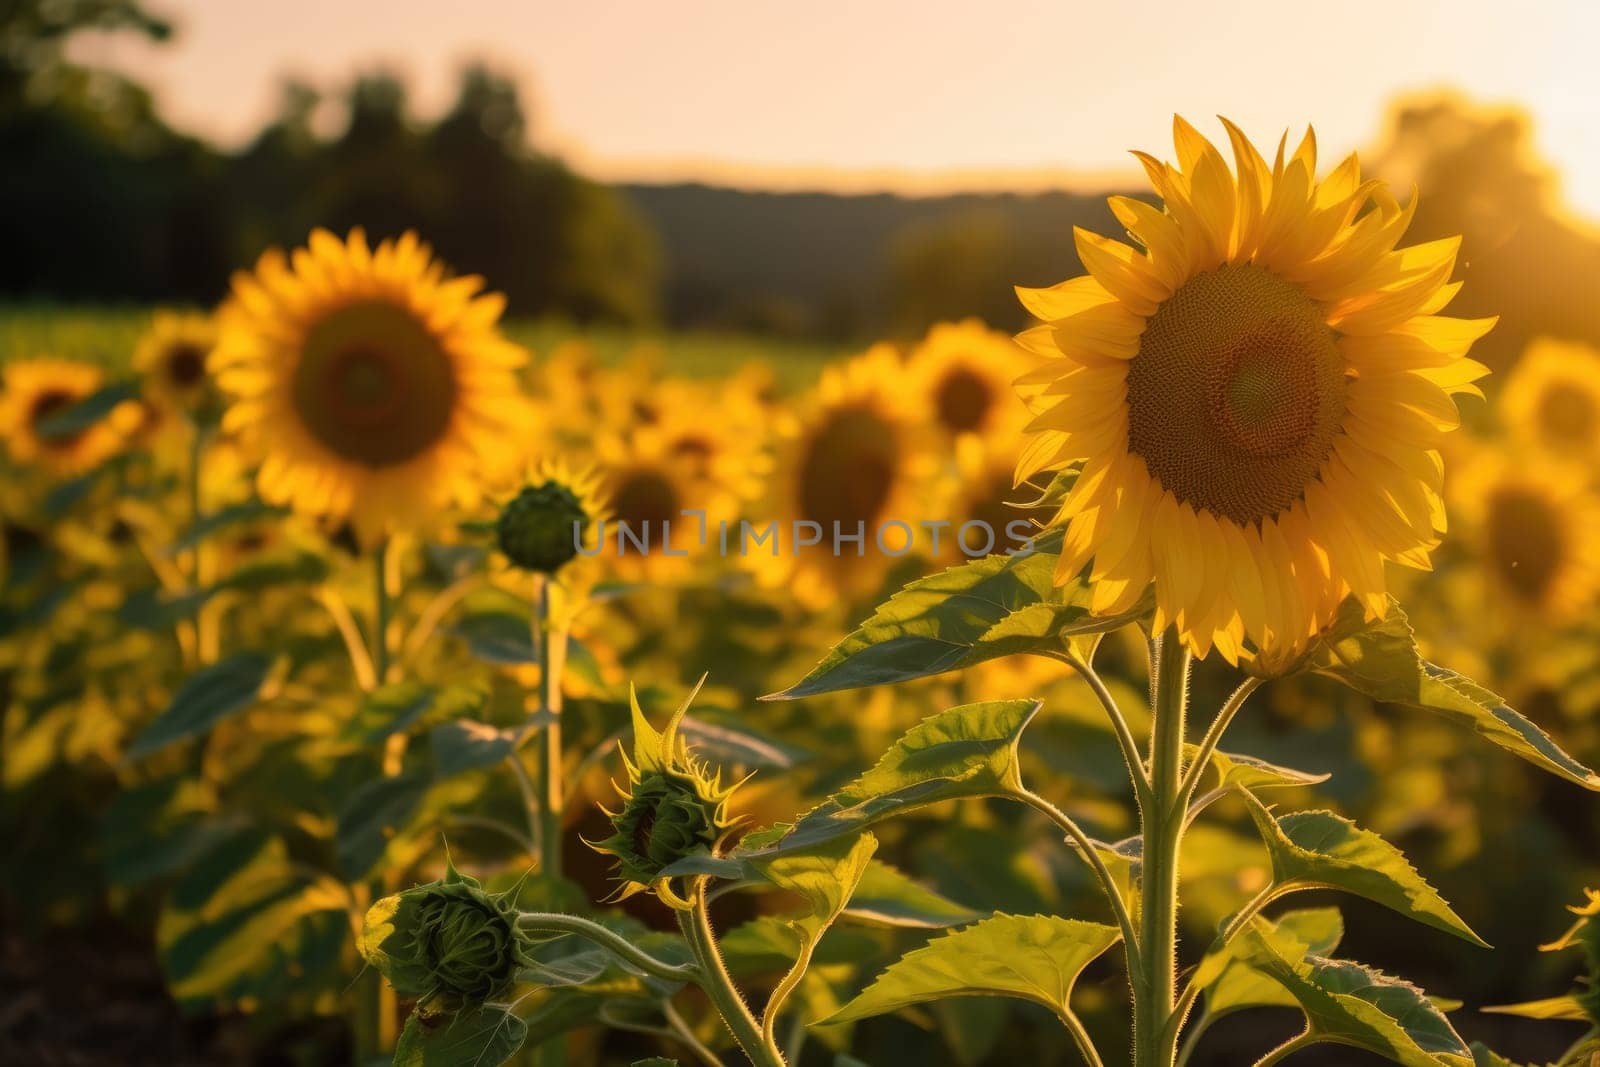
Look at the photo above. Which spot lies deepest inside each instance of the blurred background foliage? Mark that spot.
(169, 216)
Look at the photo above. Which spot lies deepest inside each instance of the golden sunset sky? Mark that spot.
(899, 95)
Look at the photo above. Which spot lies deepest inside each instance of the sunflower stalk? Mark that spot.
(549, 796)
(1162, 825)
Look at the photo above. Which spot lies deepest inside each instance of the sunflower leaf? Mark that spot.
(887, 897)
(479, 1037)
(1232, 985)
(969, 751)
(1032, 957)
(1350, 1004)
(1248, 772)
(1318, 849)
(1381, 660)
(204, 699)
(997, 606)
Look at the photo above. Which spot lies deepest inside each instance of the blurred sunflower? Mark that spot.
(986, 492)
(171, 358)
(648, 491)
(35, 391)
(1552, 399)
(1531, 522)
(966, 371)
(719, 434)
(1256, 394)
(855, 455)
(371, 388)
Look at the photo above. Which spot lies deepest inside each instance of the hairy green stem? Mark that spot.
(1091, 855)
(1119, 726)
(1080, 1036)
(552, 657)
(1287, 1049)
(555, 922)
(1162, 824)
(718, 984)
(1213, 736)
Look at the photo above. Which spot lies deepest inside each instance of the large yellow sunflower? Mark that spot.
(37, 389)
(1532, 523)
(1256, 394)
(966, 371)
(1552, 398)
(172, 356)
(371, 387)
(858, 455)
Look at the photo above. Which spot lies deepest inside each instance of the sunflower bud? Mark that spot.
(673, 808)
(448, 941)
(542, 526)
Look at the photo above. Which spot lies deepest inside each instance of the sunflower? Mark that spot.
(856, 456)
(1552, 399)
(172, 358)
(35, 391)
(647, 536)
(371, 388)
(1256, 394)
(986, 493)
(535, 526)
(1530, 522)
(719, 433)
(966, 372)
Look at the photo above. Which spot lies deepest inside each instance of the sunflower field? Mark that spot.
(1206, 674)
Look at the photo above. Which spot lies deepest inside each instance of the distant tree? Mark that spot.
(1523, 256)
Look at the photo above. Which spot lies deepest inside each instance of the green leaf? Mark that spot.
(969, 751)
(499, 637)
(274, 570)
(466, 745)
(398, 706)
(157, 609)
(224, 519)
(373, 816)
(655, 1061)
(243, 923)
(1318, 849)
(997, 606)
(205, 698)
(74, 420)
(155, 829)
(730, 745)
(480, 1037)
(1035, 958)
(1247, 772)
(1567, 1007)
(768, 944)
(1349, 1004)
(1381, 661)
(888, 897)
(824, 878)
(1231, 985)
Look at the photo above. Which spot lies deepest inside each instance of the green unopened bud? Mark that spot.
(663, 819)
(542, 526)
(447, 940)
(674, 808)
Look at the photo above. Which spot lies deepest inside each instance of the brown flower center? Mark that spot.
(963, 400)
(848, 469)
(186, 365)
(374, 385)
(1526, 540)
(644, 499)
(49, 403)
(1237, 393)
(1567, 415)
